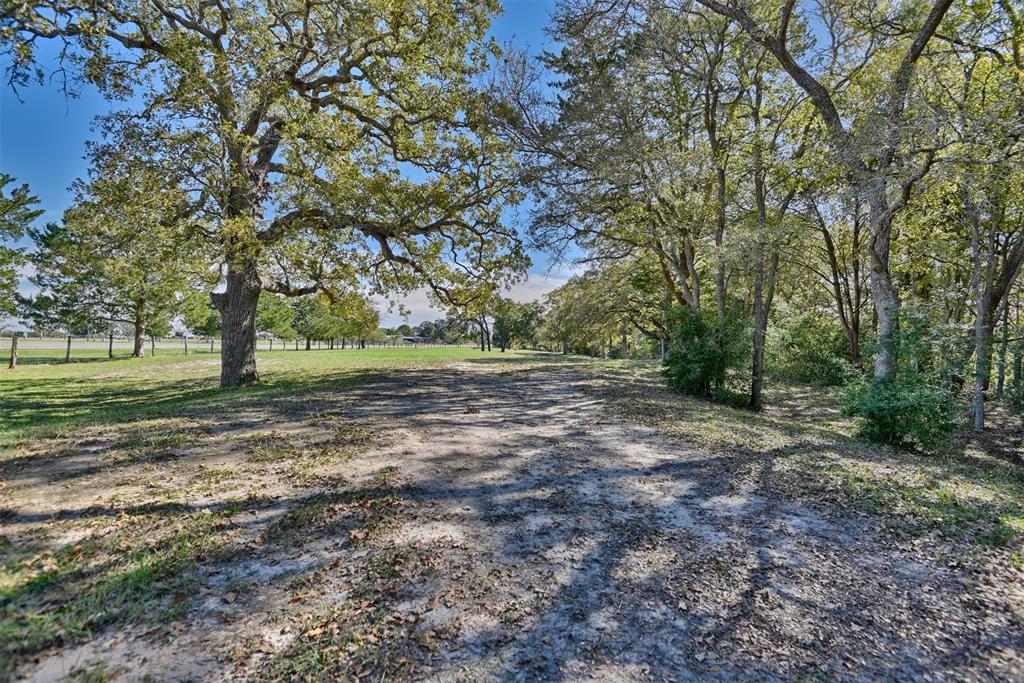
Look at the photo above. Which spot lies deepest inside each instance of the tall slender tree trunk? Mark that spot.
(307, 344)
(760, 241)
(67, 354)
(110, 345)
(981, 283)
(14, 353)
(237, 306)
(719, 239)
(1018, 368)
(1004, 342)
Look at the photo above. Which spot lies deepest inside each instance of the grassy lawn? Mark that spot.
(134, 551)
(46, 399)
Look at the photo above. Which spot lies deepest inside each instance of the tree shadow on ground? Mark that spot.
(652, 556)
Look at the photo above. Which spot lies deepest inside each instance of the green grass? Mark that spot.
(44, 400)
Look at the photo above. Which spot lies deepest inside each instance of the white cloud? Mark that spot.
(24, 272)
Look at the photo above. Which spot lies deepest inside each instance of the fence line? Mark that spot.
(205, 344)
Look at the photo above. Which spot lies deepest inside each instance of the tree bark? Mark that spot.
(14, 353)
(237, 306)
(67, 354)
(1003, 344)
(883, 291)
(110, 345)
(138, 349)
(307, 344)
(981, 284)
(760, 243)
(719, 239)
(185, 338)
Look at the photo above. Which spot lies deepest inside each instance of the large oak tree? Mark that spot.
(321, 143)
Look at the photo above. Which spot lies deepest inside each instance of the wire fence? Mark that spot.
(83, 347)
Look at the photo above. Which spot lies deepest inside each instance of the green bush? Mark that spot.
(703, 352)
(908, 411)
(810, 347)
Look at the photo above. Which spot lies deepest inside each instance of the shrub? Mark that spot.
(810, 347)
(703, 351)
(908, 411)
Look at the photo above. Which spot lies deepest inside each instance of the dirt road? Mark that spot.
(502, 524)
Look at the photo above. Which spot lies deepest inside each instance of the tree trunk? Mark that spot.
(186, 344)
(719, 238)
(211, 344)
(981, 370)
(1003, 343)
(271, 340)
(1018, 368)
(981, 282)
(138, 349)
(67, 354)
(883, 291)
(110, 345)
(152, 344)
(625, 342)
(307, 344)
(237, 306)
(760, 244)
(14, 353)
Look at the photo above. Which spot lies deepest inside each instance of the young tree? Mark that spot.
(123, 251)
(275, 317)
(17, 213)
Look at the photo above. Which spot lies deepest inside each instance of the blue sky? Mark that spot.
(43, 135)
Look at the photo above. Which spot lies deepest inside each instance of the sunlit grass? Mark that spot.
(43, 400)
